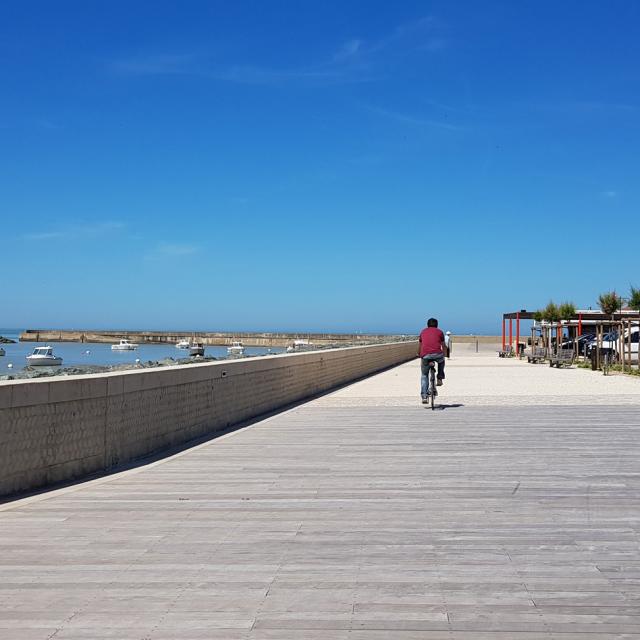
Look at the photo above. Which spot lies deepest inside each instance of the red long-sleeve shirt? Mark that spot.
(431, 341)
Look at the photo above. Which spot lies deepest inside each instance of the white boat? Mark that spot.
(124, 345)
(300, 345)
(196, 348)
(183, 344)
(43, 357)
(236, 349)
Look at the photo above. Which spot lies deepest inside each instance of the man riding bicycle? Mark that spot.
(432, 349)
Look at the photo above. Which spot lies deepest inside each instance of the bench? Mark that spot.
(537, 354)
(507, 352)
(562, 358)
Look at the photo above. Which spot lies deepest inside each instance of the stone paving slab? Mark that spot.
(485, 380)
(477, 522)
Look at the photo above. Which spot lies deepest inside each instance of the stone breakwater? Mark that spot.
(225, 338)
(211, 338)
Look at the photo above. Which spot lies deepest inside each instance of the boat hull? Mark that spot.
(43, 362)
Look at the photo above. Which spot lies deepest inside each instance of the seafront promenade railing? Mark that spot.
(57, 429)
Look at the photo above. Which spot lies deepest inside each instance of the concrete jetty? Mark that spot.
(224, 338)
(213, 338)
(511, 513)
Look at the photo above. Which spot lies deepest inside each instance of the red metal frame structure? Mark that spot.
(578, 317)
(579, 324)
(523, 314)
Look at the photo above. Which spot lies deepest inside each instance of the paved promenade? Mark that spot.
(514, 512)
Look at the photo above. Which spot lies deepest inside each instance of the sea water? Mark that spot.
(98, 353)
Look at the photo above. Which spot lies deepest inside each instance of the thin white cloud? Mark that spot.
(416, 34)
(352, 62)
(77, 231)
(583, 107)
(269, 76)
(175, 250)
(200, 66)
(348, 50)
(596, 106)
(448, 108)
(47, 235)
(609, 194)
(155, 64)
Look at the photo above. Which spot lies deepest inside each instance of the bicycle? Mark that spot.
(433, 391)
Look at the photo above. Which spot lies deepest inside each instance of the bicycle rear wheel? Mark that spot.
(432, 385)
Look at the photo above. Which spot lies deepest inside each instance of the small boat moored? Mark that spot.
(236, 349)
(44, 357)
(2, 351)
(183, 344)
(124, 345)
(300, 345)
(196, 348)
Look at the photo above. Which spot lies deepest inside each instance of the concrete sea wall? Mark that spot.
(471, 343)
(213, 338)
(58, 429)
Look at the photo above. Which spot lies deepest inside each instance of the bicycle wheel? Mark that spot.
(432, 385)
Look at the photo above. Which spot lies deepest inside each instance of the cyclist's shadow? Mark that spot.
(442, 407)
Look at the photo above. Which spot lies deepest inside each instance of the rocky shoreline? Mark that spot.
(29, 373)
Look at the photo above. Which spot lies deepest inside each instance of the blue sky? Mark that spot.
(315, 166)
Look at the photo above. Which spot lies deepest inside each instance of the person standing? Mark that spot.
(447, 343)
(432, 348)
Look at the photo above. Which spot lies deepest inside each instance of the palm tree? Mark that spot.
(609, 302)
(551, 312)
(567, 310)
(634, 298)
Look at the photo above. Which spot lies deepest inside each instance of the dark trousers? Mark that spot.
(424, 370)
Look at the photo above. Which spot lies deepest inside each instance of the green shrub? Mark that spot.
(632, 372)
